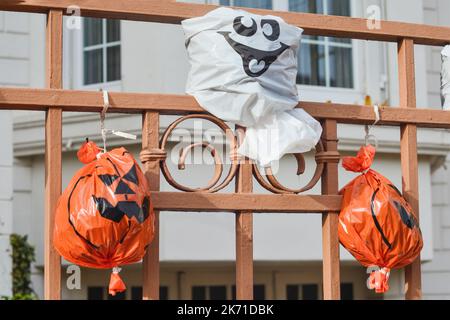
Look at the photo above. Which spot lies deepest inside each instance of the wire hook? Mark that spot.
(367, 128)
(103, 116)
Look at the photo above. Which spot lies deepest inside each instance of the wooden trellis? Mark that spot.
(242, 202)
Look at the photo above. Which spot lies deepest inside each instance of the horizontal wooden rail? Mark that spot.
(91, 101)
(175, 12)
(232, 202)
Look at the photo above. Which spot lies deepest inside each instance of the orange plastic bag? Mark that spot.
(105, 217)
(376, 224)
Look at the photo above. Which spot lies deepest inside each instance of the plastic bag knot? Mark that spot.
(88, 152)
(362, 161)
(116, 284)
(378, 280)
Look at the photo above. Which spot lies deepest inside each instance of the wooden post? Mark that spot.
(408, 153)
(330, 239)
(150, 140)
(244, 232)
(53, 148)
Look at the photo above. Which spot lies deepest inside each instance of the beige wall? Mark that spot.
(14, 72)
(180, 277)
(435, 13)
(436, 273)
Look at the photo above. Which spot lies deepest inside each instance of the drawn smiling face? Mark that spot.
(255, 62)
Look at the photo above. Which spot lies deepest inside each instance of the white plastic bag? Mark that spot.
(445, 78)
(243, 70)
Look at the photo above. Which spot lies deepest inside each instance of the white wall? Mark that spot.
(436, 274)
(435, 13)
(6, 193)
(407, 11)
(154, 61)
(14, 72)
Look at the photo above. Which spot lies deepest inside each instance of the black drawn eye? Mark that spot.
(271, 29)
(243, 30)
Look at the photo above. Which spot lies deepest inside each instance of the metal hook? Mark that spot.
(103, 116)
(367, 128)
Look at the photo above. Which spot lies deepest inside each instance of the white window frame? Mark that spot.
(78, 59)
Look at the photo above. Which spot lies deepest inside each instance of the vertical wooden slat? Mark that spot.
(330, 240)
(150, 140)
(244, 234)
(53, 148)
(408, 153)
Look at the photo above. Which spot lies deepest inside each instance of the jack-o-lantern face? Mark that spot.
(117, 191)
(105, 217)
(396, 205)
(255, 61)
(127, 201)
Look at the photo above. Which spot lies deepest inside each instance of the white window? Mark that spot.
(101, 52)
(323, 61)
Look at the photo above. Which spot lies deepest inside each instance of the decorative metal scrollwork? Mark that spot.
(213, 185)
(273, 185)
(266, 180)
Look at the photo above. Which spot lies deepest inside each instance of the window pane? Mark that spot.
(163, 293)
(341, 67)
(217, 293)
(112, 30)
(93, 66)
(224, 2)
(259, 292)
(198, 293)
(95, 293)
(136, 293)
(306, 37)
(338, 7)
(308, 6)
(263, 4)
(92, 31)
(311, 65)
(310, 292)
(347, 291)
(113, 63)
(339, 40)
(292, 292)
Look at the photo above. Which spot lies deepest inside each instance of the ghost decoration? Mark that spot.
(243, 70)
(445, 78)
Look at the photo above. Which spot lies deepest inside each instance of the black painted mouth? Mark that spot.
(249, 54)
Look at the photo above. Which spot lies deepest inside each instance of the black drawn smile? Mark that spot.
(249, 54)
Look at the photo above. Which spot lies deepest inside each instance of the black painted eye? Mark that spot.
(243, 30)
(274, 31)
(406, 217)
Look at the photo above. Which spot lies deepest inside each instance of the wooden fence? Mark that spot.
(54, 100)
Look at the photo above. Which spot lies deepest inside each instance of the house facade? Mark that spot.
(198, 250)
